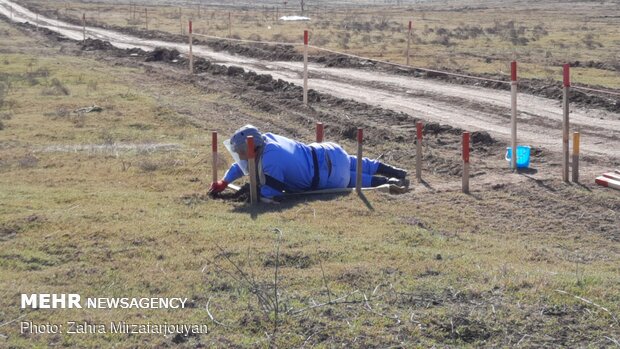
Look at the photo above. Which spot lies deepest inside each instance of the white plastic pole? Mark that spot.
(305, 67)
(513, 119)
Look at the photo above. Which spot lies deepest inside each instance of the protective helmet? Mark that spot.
(237, 144)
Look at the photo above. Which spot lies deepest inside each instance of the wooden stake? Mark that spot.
(576, 157)
(84, 27)
(252, 169)
(214, 150)
(358, 168)
(466, 162)
(565, 123)
(513, 119)
(229, 25)
(146, 19)
(408, 41)
(305, 67)
(191, 53)
(319, 132)
(418, 156)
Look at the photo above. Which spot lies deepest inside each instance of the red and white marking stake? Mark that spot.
(513, 119)
(408, 42)
(565, 122)
(465, 182)
(358, 168)
(305, 67)
(319, 132)
(252, 169)
(608, 182)
(214, 151)
(191, 52)
(418, 155)
(612, 175)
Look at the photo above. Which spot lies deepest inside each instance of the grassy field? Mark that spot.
(112, 203)
(479, 38)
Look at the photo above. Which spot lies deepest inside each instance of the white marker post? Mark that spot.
(465, 182)
(252, 169)
(418, 155)
(191, 52)
(305, 67)
(358, 168)
(408, 41)
(576, 157)
(214, 151)
(565, 122)
(513, 119)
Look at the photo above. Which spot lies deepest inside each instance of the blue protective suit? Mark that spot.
(291, 164)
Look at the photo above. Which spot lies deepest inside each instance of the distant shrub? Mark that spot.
(56, 88)
(28, 161)
(148, 166)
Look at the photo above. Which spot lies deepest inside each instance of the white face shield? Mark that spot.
(243, 164)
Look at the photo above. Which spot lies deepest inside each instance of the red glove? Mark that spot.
(218, 187)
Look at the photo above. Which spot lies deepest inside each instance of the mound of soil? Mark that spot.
(162, 55)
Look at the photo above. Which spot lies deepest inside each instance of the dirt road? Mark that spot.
(466, 107)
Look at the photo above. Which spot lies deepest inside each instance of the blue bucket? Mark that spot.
(523, 155)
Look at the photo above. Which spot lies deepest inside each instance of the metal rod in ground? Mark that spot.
(418, 155)
(214, 151)
(513, 118)
(565, 122)
(576, 157)
(319, 132)
(305, 67)
(466, 162)
(408, 41)
(358, 168)
(252, 170)
(191, 52)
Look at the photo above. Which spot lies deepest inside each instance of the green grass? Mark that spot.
(421, 269)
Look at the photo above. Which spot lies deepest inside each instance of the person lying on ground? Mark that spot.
(288, 166)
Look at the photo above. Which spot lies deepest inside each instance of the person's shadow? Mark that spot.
(290, 201)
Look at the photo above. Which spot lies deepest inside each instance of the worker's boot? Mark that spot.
(400, 182)
(391, 171)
